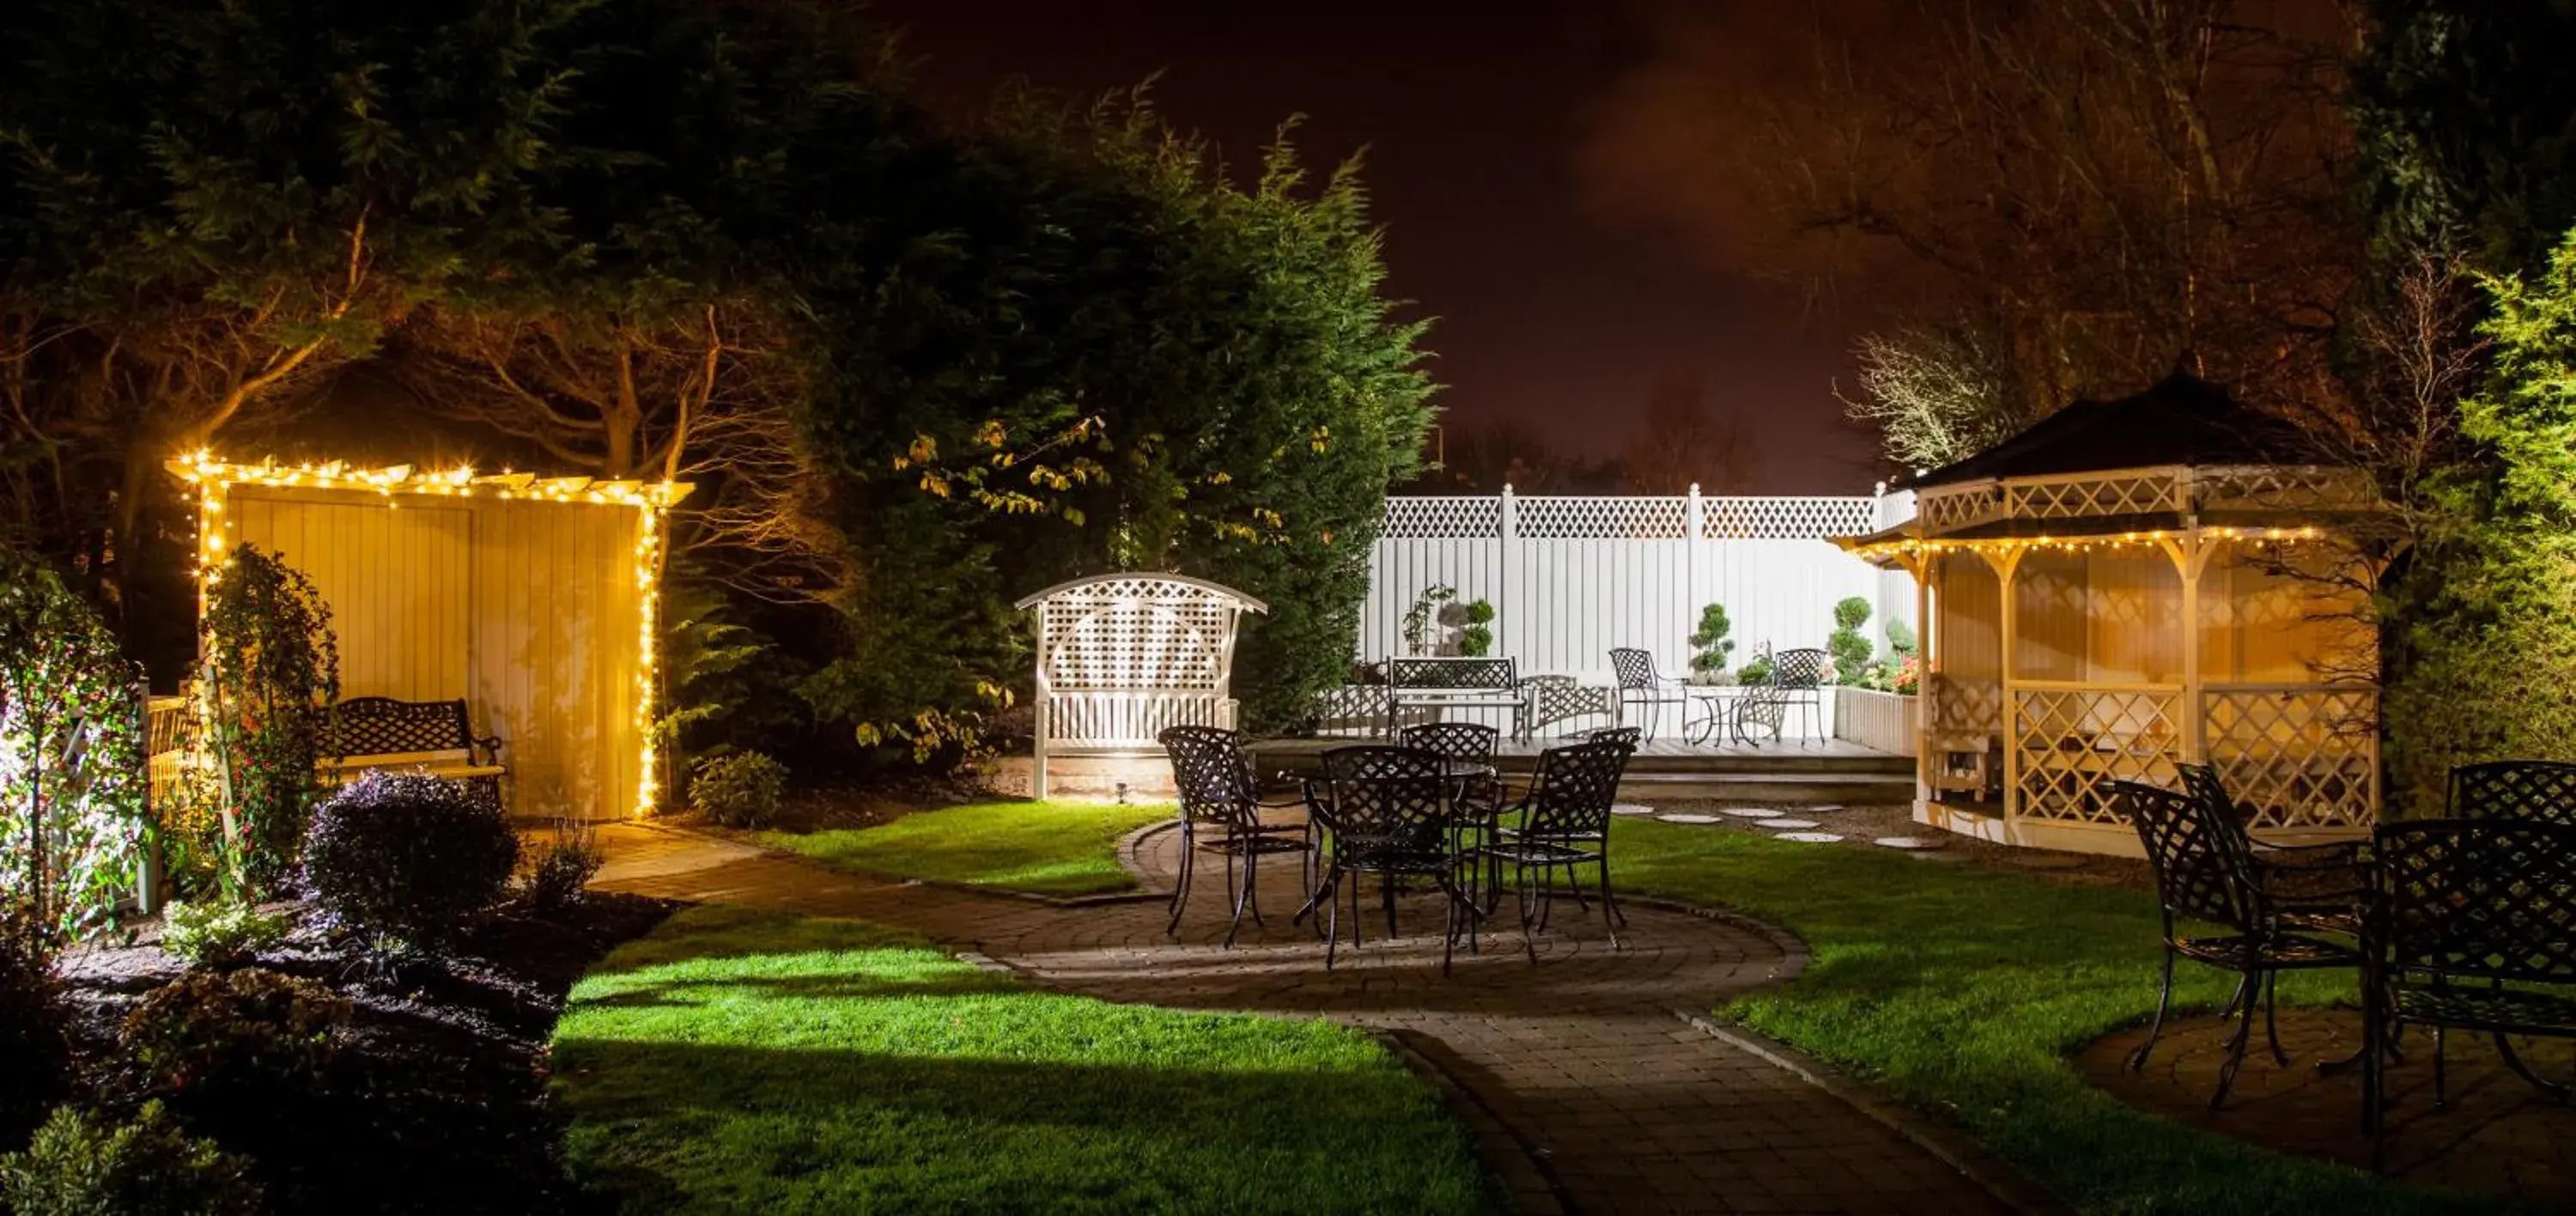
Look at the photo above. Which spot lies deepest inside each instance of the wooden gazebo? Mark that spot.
(2132, 583)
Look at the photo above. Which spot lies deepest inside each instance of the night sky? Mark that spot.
(1526, 177)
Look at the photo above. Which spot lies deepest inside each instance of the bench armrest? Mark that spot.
(491, 745)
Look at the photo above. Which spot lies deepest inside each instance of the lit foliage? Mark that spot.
(1709, 644)
(407, 858)
(71, 753)
(271, 672)
(1850, 647)
(1221, 356)
(81, 1162)
(2483, 650)
(1934, 395)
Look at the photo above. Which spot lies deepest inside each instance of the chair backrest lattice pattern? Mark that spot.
(1476, 673)
(2535, 791)
(1121, 657)
(1212, 775)
(1572, 793)
(1470, 742)
(380, 726)
(1801, 668)
(1385, 800)
(1625, 736)
(2203, 863)
(2489, 899)
(1634, 668)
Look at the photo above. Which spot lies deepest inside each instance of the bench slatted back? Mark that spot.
(374, 726)
(1500, 675)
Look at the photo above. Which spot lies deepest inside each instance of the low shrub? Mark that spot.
(408, 856)
(219, 933)
(563, 869)
(80, 1164)
(35, 1050)
(218, 1038)
(738, 789)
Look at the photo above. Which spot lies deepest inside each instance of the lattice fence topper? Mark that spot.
(1462, 517)
(1604, 518)
(2301, 758)
(2141, 492)
(2073, 742)
(1613, 517)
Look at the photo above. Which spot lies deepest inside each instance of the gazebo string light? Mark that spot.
(216, 481)
(2132, 583)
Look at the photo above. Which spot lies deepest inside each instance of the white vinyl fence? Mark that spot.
(1569, 578)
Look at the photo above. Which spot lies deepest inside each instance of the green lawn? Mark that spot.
(1962, 990)
(738, 1061)
(1052, 848)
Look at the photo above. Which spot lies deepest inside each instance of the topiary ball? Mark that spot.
(408, 856)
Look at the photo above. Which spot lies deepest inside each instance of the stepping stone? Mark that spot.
(1809, 837)
(1824, 807)
(1905, 842)
(1687, 818)
(1753, 812)
(1630, 808)
(1795, 825)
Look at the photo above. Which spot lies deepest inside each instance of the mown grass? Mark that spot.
(1962, 990)
(740, 1061)
(1050, 848)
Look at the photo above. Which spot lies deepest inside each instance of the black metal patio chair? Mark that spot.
(2205, 871)
(2472, 927)
(2316, 888)
(1221, 806)
(1616, 734)
(1387, 811)
(1640, 684)
(1799, 675)
(1564, 825)
(1472, 744)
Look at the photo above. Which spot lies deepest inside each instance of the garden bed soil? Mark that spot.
(436, 1098)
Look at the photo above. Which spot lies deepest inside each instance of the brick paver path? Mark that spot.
(2497, 1135)
(1578, 1065)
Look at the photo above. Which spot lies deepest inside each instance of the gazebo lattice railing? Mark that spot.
(2128, 585)
(1123, 657)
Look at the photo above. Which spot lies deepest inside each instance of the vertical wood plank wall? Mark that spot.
(525, 608)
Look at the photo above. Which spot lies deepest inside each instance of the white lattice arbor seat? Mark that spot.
(1123, 657)
(2130, 585)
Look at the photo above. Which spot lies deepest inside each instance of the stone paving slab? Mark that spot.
(1603, 1100)
(2497, 1135)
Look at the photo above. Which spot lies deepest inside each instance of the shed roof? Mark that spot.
(2181, 420)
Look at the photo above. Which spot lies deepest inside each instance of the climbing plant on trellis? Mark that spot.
(270, 674)
(71, 754)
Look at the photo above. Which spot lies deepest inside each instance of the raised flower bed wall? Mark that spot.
(1883, 720)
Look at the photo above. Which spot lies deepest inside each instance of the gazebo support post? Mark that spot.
(2006, 562)
(1038, 733)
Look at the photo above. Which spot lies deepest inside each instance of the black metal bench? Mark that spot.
(371, 733)
(1460, 683)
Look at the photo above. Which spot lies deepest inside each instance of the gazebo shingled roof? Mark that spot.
(2181, 420)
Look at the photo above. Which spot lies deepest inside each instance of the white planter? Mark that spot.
(1883, 720)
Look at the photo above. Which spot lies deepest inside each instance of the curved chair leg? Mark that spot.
(1252, 887)
(2156, 1028)
(1386, 896)
(1523, 892)
(2236, 1045)
(1332, 917)
(1609, 911)
(2513, 1060)
(2271, 1021)
(1181, 887)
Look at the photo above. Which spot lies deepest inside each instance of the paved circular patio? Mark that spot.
(1587, 1089)
(2497, 1136)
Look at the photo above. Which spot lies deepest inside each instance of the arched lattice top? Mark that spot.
(1137, 633)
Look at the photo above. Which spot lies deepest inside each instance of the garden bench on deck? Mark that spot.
(369, 733)
(1457, 683)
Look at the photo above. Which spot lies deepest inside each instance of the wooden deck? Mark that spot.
(1792, 771)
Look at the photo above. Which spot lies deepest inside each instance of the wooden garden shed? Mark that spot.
(531, 599)
(2132, 583)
